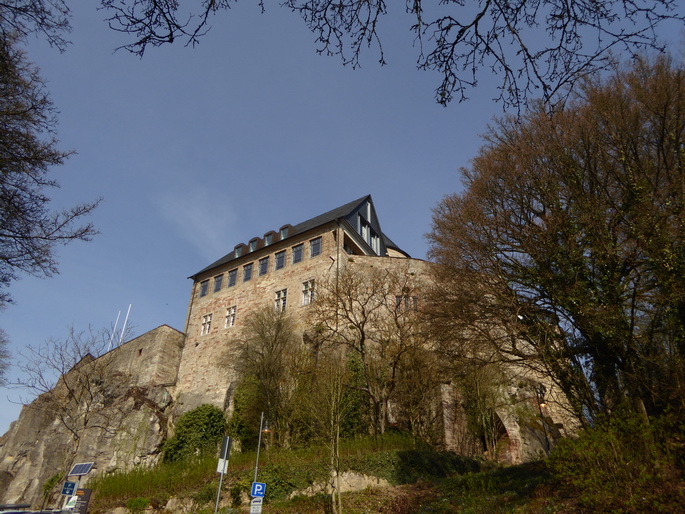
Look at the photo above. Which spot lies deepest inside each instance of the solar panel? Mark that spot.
(81, 469)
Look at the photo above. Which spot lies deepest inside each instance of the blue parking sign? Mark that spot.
(68, 488)
(258, 489)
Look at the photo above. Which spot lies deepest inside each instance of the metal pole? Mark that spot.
(259, 444)
(218, 493)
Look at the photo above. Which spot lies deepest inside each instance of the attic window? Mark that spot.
(268, 238)
(253, 245)
(237, 251)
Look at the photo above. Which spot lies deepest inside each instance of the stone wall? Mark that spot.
(126, 421)
(208, 368)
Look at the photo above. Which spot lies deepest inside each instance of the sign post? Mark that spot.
(222, 467)
(256, 505)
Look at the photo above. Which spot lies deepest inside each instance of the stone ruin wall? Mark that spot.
(37, 445)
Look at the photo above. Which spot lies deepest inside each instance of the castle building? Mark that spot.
(151, 380)
(281, 268)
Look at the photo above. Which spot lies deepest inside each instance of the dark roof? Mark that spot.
(317, 221)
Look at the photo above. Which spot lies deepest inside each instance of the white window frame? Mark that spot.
(308, 291)
(206, 326)
(281, 300)
(230, 317)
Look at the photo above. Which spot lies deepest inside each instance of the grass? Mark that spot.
(284, 470)
(422, 481)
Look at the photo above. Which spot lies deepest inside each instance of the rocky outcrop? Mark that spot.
(120, 422)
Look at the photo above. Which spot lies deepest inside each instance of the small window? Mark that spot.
(247, 272)
(204, 288)
(263, 266)
(284, 233)
(406, 303)
(268, 239)
(206, 324)
(308, 292)
(280, 300)
(280, 259)
(218, 281)
(232, 277)
(230, 317)
(253, 245)
(315, 247)
(237, 251)
(375, 243)
(297, 253)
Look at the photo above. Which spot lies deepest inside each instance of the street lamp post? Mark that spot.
(263, 427)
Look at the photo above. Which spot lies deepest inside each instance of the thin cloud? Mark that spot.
(201, 217)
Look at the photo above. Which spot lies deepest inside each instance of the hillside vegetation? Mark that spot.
(615, 467)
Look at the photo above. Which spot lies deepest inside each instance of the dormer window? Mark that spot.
(283, 232)
(238, 250)
(253, 245)
(268, 239)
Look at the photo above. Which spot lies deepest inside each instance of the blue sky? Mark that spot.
(195, 150)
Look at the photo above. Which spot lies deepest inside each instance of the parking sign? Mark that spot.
(258, 489)
(68, 488)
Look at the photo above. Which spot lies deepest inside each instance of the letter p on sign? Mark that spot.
(258, 489)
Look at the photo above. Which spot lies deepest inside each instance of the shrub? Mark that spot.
(617, 465)
(50, 484)
(135, 505)
(198, 432)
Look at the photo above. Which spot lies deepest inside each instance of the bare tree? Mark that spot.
(29, 230)
(73, 380)
(327, 401)
(49, 18)
(270, 354)
(417, 395)
(567, 249)
(537, 47)
(4, 355)
(372, 312)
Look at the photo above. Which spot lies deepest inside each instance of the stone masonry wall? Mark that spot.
(128, 419)
(207, 372)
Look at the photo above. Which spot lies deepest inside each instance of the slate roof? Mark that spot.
(317, 221)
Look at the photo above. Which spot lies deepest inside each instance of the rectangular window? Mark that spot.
(232, 277)
(247, 272)
(315, 247)
(268, 239)
(204, 288)
(375, 243)
(230, 317)
(263, 266)
(218, 281)
(406, 303)
(280, 299)
(206, 324)
(308, 292)
(280, 259)
(297, 253)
